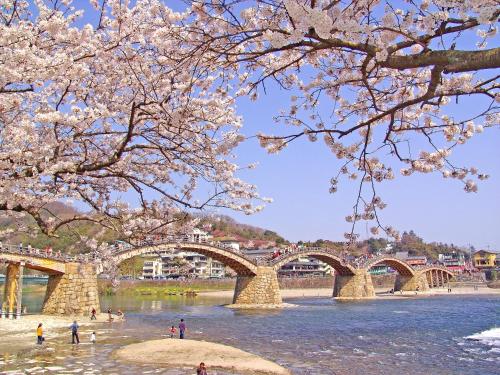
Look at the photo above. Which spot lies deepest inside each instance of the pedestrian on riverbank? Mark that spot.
(110, 313)
(201, 370)
(39, 334)
(173, 331)
(182, 329)
(92, 337)
(74, 332)
(92, 314)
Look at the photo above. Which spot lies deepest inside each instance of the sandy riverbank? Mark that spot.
(380, 292)
(18, 334)
(189, 354)
(285, 293)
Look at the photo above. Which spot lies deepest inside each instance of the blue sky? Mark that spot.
(298, 181)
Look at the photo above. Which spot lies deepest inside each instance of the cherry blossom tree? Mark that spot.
(375, 79)
(112, 114)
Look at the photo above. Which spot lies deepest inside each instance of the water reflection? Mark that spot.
(321, 336)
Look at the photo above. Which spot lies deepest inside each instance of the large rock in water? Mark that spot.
(189, 353)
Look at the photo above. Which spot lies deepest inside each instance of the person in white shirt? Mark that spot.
(92, 337)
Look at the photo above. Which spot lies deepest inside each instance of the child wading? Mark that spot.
(172, 332)
(39, 334)
(92, 337)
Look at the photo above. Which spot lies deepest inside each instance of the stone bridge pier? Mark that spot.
(13, 291)
(411, 283)
(74, 292)
(358, 285)
(261, 288)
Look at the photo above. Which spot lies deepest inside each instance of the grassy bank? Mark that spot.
(165, 287)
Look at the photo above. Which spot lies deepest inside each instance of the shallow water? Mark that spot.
(320, 336)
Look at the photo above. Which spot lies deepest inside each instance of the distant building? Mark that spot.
(229, 243)
(413, 260)
(455, 261)
(152, 269)
(401, 255)
(259, 253)
(379, 269)
(301, 267)
(185, 263)
(198, 236)
(168, 262)
(305, 267)
(484, 259)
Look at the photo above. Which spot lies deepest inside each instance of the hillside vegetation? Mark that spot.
(71, 238)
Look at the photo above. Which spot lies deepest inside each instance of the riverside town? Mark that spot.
(279, 187)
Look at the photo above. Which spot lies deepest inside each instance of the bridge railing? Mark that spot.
(29, 250)
(125, 246)
(46, 253)
(286, 254)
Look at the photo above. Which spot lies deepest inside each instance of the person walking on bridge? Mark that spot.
(182, 329)
(74, 333)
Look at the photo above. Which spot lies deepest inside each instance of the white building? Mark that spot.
(305, 267)
(152, 268)
(230, 244)
(175, 263)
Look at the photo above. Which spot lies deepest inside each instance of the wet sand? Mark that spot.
(189, 354)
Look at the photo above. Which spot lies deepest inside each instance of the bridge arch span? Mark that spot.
(242, 265)
(327, 256)
(37, 262)
(435, 268)
(402, 267)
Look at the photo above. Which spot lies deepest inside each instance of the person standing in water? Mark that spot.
(92, 337)
(39, 334)
(201, 370)
(172, 332)
(182, 329)
(74, 333)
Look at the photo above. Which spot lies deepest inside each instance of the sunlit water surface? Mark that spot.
(320, 336)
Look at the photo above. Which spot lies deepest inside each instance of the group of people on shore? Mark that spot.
(75, 339)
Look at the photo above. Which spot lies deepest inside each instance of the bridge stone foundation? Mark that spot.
(354, 286)
(411, 283)
(13, 289)
(72, 293)
(260, 289)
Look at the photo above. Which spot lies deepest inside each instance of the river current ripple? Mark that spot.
(318, 337)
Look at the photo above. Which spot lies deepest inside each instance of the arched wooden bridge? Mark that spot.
(72, 286)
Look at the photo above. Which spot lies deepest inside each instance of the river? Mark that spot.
(319, 336)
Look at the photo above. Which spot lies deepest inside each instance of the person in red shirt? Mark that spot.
(172, 331)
